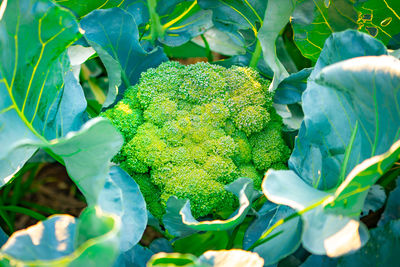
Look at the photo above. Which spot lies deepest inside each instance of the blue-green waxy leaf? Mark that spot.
(114, 35)
(323, 233)
(179, 220)
(3, 237)
(182, 21)
(318, 260)
(71, 113)
(290, 90)
(381, 250)
(392, 209)
(284, 240)
(375, 199)
(325, 134)
(63, 240)
(87, 154)
(276, 17)
(236, 15)
(30, 64)
(121, 196)
(222, 42)
(365, 90)
(45, 244)
(42, 103)
(137, 256)
(346, 45)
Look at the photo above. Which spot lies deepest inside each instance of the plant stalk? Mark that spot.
(256, 55)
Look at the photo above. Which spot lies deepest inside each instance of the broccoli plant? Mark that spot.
(191, 130)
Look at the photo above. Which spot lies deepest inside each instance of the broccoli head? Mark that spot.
(191, 130)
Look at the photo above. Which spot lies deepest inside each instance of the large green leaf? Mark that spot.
(371, 116)
(137, 256)
(42, 103)
(322, 140)
(87, 154)
(392, 209)
(284, 239)
(314, 21)
(114, 35)
(199, 243)
(323, 232)
(28, 56)
(61, 240)
(276, 17)
(121, 196)
(381, 250)
(82, 8)
(182, 20)
(381, 19)
(222, 42)
(179, 220)
(236, 15)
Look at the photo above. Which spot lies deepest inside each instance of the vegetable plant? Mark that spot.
(282, 149)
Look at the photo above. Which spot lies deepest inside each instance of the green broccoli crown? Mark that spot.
(191, 130)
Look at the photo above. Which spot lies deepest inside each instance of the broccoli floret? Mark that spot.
(191, 130)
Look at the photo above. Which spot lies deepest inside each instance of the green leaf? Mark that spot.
(375, 199)
(121, 196)
(82, 8)
(119, 48)
(276, 17)
(182, 20)
(43, 104)
(283, 240)
(87, 154)
(137, 256)
(63, 240)
(291, 89)
(323, 232)
(236, 15)
(199, 243)
(222, 42)
(314, 21)
(242, 21)
(221, 258)
(381, 19)
(163, 259)
(29, 57)
(381, 250)
(392, 210)
(179, 220)
(345, 87)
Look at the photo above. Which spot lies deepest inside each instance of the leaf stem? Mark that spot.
(256, 55)
(209, 54)
(156, 29)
